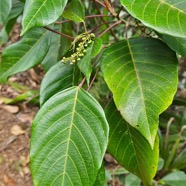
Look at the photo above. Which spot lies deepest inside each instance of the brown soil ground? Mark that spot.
(14, 146)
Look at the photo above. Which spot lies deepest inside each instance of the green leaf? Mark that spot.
(52, 56)
(25, 54)
(100, 180)
(166, 17)
(142, 75)
(130, 148)
(175, 43)
(85, 65)
(96, 47)
(17, 8)
(58, 78)
(177, 178)
(5, 7)
(39, 13)
(74, 11)
(132, 180)
(69, 139)
(180, 161)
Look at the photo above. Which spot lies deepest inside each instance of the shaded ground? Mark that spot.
(14, 147)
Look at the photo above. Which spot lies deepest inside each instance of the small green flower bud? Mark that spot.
(78, 59)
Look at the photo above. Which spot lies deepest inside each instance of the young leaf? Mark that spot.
(69, 139)
(166, 17)
(130, 148)
(74, 11)
(96, 47)
(25, 54)
(142, 75)
(85, 65)
(39, 13)
(175, 43)
(58, 78)
(5, 7)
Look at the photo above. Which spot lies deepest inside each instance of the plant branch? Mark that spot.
(97, 1)
(112, 33)
(82, 82)
(110, 27)
(87, 17)
(70, 37)
(93, 79)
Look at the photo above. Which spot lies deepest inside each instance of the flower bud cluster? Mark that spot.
(85, 40)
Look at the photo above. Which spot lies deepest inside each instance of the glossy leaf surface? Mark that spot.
(130, 148)
(26, 53)
(75, 11)
(58, 78)
(142, 75)
(69, 139)
(39, 13)
(164, 16)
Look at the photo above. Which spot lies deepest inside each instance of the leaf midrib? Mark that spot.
(35, 15)
(29, 51)
(70, 131)
(139, 82)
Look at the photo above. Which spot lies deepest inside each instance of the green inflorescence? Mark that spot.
(85, 39)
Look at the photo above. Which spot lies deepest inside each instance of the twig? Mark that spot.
(168, 130)
(87, 17)
(110, 27)
(100, 3)
(82, 82)
(93, 79)
(112, 33)
(70, 37)
(100, 26)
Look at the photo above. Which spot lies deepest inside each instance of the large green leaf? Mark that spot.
(142, 75)
(5, 7)
(41, 13)
(58, 78)
(130, 148)
(69, 139)
(26, 53)
(176, 43)
(165, 16)
(75, 11)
